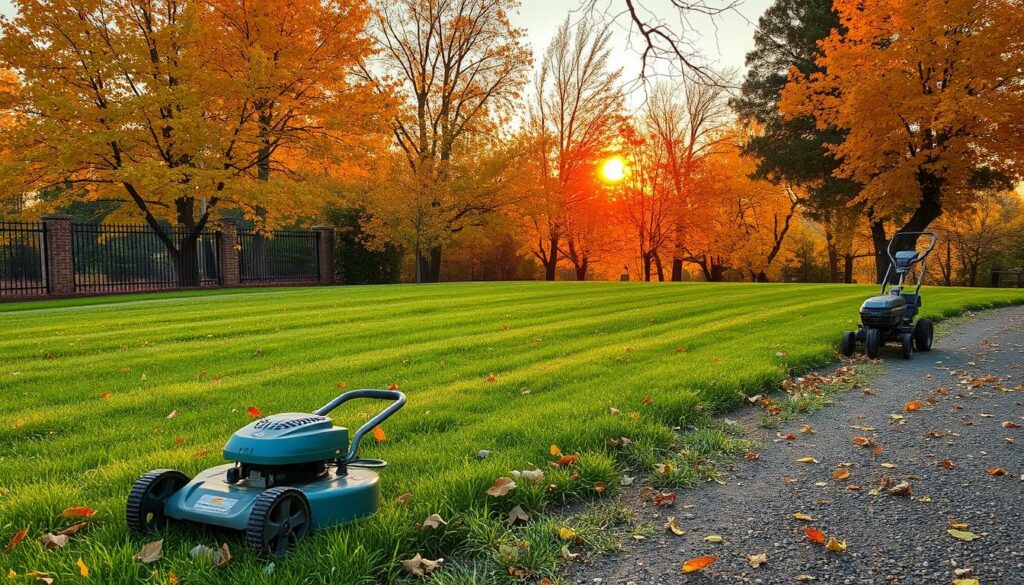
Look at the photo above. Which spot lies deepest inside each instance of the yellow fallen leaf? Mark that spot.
(802, 516)
(835, 545)
(807, 460)
(962, 534)
(566, 533)
(966, 582)
(83, 570)
(712, 538)
(888, 465)
(555, 451)
(957, 525)
(673, 526)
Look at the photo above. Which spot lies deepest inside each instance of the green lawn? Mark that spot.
(562, 354)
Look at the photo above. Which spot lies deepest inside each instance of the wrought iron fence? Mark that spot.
(282, 256)
(22, 258)
(122, 258)
(1008, 278)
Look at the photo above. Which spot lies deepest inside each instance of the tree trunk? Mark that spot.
(186, 261)
(848, 268)
(581, 269)
(717, 270)
(660, 268)
(647, 267)
(677, 269)
(833, 255)
(434, 275)
(763, 277)
(879, 241)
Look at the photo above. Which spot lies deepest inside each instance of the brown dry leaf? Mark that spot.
(404, 498)
(421, 567)
(699, 563)
(995, 471)
(18, 537)
(501, 487)
(665, 499)
(1009, 424)
(841, 474)
(73, 528)
(600, 487)
(751, 456)
(807, 429)
(869, 392)
(805, 578)
(948, 464)
(901, 489)
(878, 450)
(757, 560)
(78, 512)
(39, 576)
(224, 557)
(151, 552)
(434, 521)
(517, 515)
(956, 525)
(51, 541)
(862, 441)
(647, 400)
(673, 526)
(567, 460)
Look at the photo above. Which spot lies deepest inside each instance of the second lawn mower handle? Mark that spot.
(395, 395)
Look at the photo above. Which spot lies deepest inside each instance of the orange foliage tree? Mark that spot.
(177, 108)
(929, 92)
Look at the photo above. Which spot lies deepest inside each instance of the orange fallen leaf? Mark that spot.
(83, 570)
(815, 535)
(78, 512)
(647, 400)
(664, 499)
(751, 456)
(567, 460)
(18, 537)
(699, 563)
(600, 487)
(948, 464)
(995, 471)
(342, 385)
(841, 474)
(378, 433)
(554, 450)
(106, 395)
(179, 440)
(73, 528)
(912, 405)
(1009, 424)
(393, 387)
(491, 379)
(862, 441)
(869, 392)
(254, 412)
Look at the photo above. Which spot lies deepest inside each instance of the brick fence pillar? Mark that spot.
(227, 253)
(326, 252)
(60, 263)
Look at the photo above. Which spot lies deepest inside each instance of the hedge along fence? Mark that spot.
(59, 258)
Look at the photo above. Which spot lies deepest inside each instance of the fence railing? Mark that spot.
(286, 255)
(123, 258)
(1008, 278)
(22, 259)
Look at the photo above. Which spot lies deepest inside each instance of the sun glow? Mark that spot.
(613, 170)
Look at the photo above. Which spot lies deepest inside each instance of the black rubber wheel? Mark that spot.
(907, 341)
(924, 333)
(849, 343)
(149, 495)
(280, 517)
(872, 341)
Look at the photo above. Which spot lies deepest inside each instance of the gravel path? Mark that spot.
(890, 538)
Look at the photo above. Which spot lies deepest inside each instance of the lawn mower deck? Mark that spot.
(890, 316)
(288, 474)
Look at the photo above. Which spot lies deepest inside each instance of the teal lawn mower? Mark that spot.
(289, 474)
(890, 315)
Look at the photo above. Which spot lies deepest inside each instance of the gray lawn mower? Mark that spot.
(287, 474)
(890, 315)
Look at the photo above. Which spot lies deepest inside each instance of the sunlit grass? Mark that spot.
(562, 354)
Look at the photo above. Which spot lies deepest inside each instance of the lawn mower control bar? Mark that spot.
(396, 396)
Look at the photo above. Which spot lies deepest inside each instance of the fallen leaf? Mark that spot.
(73, 528)
(393, 387)
(956, 525)
(172, 414)
(52, 541)
(751, 456)
(814, 535)
(802, 516)
(40, 576)
(900, 489)
(568, 555)
(757, 560)
(600, 487)
(404, 498)
(254, 412)
(805, 578)
(491, 379)
(532, 475)
(948, 464)
(664, 499)
(835, 545)
(420, 567)
(869, 392)
(225, 556)
(962, 534)
(517, 515)
(841, 474)
(995, 471)
(807, 460)
(83, 569)
(613, 411)
(78, 512)
(713, 538)
(647, 400)
(18, 537)
(554, 450)
(106, 395)
(807, 430)
(862, 441)
(673, 526)
(912, 405)
(699, 563)
(501, 487)
(434, 521)
(1009, 424)
(966, 582)
(567, 460)
(378, 433)
(566, 533)
(151, 552)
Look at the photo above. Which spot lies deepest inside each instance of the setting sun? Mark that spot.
(613, 170)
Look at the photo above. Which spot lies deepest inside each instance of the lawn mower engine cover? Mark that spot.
(883, 311)
(287, 439)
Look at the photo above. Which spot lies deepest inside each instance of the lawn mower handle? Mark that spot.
(395, 395)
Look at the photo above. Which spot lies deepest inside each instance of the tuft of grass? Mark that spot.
(562, 355)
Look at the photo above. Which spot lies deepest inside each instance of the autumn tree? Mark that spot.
(971, 238)
(153, 105)
(794, 149)
(457, 68)
(574, 121)
(930, 97)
